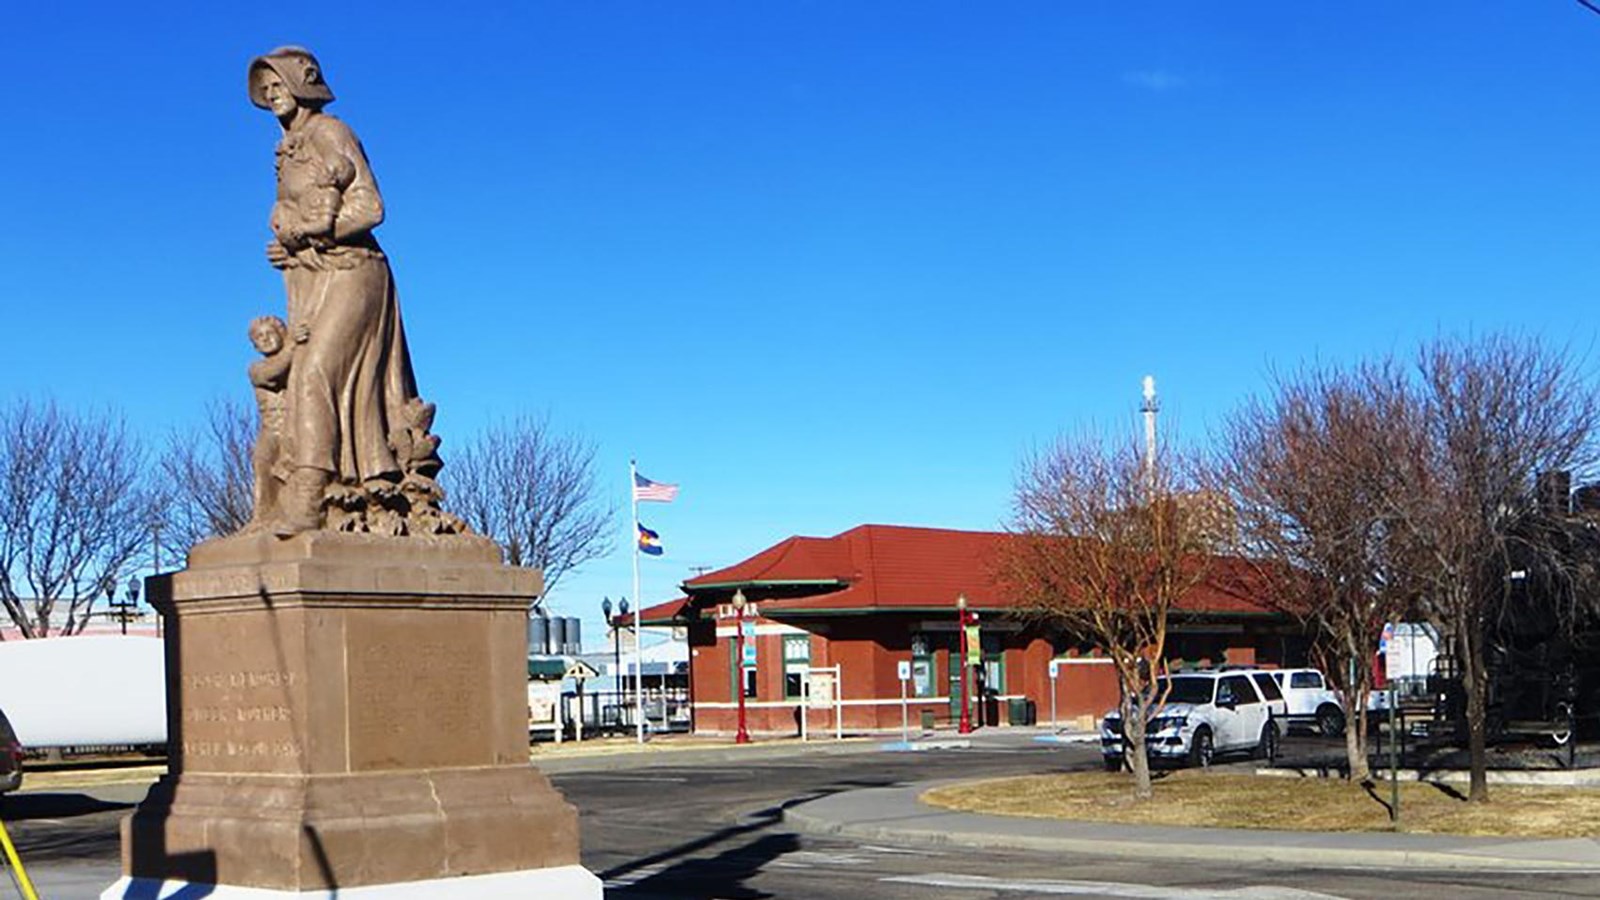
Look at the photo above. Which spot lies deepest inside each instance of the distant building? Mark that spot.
(877, 596)
(102, 620)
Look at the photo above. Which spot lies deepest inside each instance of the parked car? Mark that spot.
(10, 757)
(1206, 713)
(1311, 701)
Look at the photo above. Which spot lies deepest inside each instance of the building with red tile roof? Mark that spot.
(876, 596)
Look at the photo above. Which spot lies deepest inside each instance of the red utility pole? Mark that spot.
(963, 619)
(743, 736)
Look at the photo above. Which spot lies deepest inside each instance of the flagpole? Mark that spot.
(638, 604)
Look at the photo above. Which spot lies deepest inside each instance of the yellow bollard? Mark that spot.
(15, 862)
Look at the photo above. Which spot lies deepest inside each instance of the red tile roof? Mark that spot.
(797, 560)
(882, 568)
(667, 613)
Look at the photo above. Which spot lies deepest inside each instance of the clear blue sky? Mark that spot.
(822, 263)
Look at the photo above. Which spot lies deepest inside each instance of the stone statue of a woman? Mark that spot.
(360, 454)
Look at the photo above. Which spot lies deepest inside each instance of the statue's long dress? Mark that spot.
(351, 379)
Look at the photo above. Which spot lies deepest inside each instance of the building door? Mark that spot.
(924, 682)
(952, 668)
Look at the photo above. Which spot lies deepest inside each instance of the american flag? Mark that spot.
(645, 489)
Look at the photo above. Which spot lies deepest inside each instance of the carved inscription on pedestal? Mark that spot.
(419, 691)
(239, 720)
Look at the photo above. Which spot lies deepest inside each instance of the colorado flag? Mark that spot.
(649, 541)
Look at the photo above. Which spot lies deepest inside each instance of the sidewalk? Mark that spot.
(894, 813)
(617, 754)
(613, 755)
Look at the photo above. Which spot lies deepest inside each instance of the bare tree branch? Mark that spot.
(207, 478)
(73, 511)
(1307, 471)
(533, 490)
(1496, 413)
(1103, 547)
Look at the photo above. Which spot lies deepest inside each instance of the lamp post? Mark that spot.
(743, 735)
(124, 610)
(605, 612)
(133, 602)
(616, 643)
(963, 619)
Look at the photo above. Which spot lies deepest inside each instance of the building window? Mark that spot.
(796, 662)
(923, 683)
(733, 675)
(994, 663)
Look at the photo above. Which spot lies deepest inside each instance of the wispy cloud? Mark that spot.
(1154, 79)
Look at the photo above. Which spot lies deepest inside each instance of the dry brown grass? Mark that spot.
(78, 778)
(1221, 800)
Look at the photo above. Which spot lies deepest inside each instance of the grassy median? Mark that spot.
(1224, 800)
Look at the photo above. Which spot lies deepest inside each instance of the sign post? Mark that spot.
(805, 708)
(1055, 671)
(822, 691)
(904, 667)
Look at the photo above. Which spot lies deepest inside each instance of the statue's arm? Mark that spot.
(361, 206)
(271, 372)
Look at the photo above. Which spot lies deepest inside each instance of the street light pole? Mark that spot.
(123, 609)
(743, 735)
(961, 625)
(133, 602)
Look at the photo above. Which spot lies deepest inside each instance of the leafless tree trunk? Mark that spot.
(1103, 546)
(534, 490)
(207, 480)
(73, 513)
(1496, 413)
(1308, 470)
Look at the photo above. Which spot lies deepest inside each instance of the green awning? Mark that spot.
(547, 668)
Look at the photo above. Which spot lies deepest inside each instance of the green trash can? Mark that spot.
(927, 720)
(1017, 711)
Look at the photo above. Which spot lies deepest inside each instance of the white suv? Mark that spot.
(1206, 713)
(1311, 701)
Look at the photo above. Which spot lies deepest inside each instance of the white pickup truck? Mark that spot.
(1311, 700)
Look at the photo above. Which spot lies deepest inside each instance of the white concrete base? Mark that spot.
(556, 883)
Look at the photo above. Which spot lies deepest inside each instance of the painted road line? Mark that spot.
(810, 858)
(902, 851)
(634, 877)
(1107, 888)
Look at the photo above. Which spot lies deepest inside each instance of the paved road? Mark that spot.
(650, 837)
(713, 830)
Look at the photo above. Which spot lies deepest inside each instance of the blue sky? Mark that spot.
(822, 263)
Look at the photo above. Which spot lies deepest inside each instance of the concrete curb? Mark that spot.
(731, 753)
(983, 832)
(610, 762)
(1586, 778)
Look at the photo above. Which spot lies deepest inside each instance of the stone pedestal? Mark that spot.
(347, 712)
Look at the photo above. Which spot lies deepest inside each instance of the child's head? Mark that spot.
(268, 334)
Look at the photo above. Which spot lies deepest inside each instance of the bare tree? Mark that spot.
(1104, 544)
(207, 479)
(1496, 412)
(73, 513)
(1308, 470)
(534, 490)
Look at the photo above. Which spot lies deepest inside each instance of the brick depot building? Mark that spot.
(875, 596)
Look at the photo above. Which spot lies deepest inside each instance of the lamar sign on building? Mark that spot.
(877, 596)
